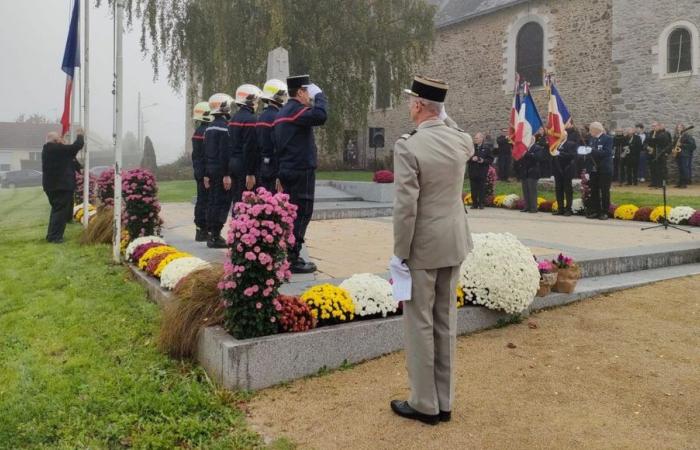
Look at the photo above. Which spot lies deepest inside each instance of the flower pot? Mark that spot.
(549, 278)
(545, 289)
(567, 279)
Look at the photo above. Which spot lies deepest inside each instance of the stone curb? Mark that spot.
(262, 362)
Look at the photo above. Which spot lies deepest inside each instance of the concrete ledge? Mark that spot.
(351, 210)
(367, 190)
(262, 362)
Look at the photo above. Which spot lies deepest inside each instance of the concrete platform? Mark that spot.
(263, 362)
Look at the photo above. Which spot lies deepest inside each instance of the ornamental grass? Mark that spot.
(197, 304)
(99, 229)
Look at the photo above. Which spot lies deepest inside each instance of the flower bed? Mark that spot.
(141, 213)
(371, 295)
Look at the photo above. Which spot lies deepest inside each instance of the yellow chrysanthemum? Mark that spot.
(658, 213)
(540, 200)
(555, 206)
(468, 199)
(155, 251)
(330, 303)
(498, 200)
(167, 260)
(460, 297)
(625, 212)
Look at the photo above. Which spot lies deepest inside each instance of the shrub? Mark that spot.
(642, 214)
(371, 295)
(294, 314)
(78, 195)
(105, 187)
(695, 219)
(658, 214)
(680, 215)
(383, 176)
(545, 206)
(491, 178)
(625, 212)
(329, 304)
(520, 204)
(259, 236)
(141, 213)
(468, 199)
(139, 251)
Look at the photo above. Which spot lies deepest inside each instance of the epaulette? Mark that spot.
(408, 135)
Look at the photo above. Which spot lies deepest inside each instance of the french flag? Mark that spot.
(514, 110)
(528, 123)
(557, 119)
(71, 60)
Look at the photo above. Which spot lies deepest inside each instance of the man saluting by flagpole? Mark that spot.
(431, 239)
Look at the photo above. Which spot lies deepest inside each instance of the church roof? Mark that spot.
(450, 12)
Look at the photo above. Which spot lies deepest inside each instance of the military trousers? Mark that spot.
(61, 213)
(430, 337)
(301, 187)
(200, 206)
(218, 205)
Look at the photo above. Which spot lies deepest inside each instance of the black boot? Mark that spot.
(201, 235)
(216, 241)
(298, 265)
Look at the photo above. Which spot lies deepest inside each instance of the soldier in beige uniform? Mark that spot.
(432, 238)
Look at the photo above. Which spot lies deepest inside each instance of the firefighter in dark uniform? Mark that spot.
(296, 150)
(201, 119)
(478, 166)
(245, 155)
(274, 96)
(217, 179)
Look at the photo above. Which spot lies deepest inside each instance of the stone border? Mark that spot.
(262, 362)
(369, 191)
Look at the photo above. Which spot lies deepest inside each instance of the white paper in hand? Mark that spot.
(401, 280)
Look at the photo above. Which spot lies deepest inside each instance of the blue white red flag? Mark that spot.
(514, 110)
(528, 123)
(557, 119)
(71, 60)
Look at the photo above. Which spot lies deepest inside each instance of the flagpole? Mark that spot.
(86, 113)
(76, 82)
(118, 72)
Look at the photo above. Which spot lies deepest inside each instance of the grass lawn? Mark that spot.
(78, 364)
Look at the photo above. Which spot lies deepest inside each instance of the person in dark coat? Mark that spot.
(58, 181)
(504, 154)
(631, 153)
(201, 119)
(274, 96)
(659, 145)
(478, 166)
(297, 156)
(684, 159)
(599, 165)
(564, 171)
(217, 178)
(530, 171)
(245, 154)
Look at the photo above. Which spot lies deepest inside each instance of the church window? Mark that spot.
(529, 59)
(679, 51)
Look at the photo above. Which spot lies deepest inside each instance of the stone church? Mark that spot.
(615, 61)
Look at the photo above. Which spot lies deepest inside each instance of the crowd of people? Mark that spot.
(238, 150)
(628, 157)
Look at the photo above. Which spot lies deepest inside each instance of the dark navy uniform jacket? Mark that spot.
(564, 165)
(217, 147)
(601, 157)
(294, 135)
(244, 142)
(480, 169)
(266, 141)
(198, 160)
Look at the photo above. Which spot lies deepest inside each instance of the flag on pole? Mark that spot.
(71, 60)
(515, 109)
(557, 118)
(527, 124)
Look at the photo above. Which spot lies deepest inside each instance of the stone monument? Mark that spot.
(278, 64)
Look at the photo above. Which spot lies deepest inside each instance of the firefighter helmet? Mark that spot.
(247, 94)
(201, 112)
(276, 91)
(220, 103)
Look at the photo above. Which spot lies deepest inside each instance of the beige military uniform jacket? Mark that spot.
(430, 224)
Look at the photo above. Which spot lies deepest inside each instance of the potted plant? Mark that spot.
(548, 277)
(568, 274)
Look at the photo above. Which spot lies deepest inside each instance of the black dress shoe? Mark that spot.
(481, 206)
(445, 416)
(558, 213)
(403, 409)
(592, 216)
(524, 210)
(603, 216)
(300, 266)
(55, 241)
(568, 213)
(201, 235)
(474, 207)
(216, 242)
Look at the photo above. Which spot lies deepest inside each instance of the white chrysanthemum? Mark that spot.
(500, 273)
(510, 200)
(577, 206)
(370, 294)
(680, 214)
(140, 241)
(178, 269)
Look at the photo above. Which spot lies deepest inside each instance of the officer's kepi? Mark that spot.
(428, 88)
(298, 81)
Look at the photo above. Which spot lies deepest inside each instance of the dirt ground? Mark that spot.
(616, 371)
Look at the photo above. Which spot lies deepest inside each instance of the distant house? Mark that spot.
(21, 143)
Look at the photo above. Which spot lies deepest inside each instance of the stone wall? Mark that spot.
(642, 92)
(474, 57)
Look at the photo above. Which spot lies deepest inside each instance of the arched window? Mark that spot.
(680, 53)
(529, 51)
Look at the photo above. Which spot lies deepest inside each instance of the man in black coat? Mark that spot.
(564, 171)
(505, 152)
(631, 153)
(58, 181)
(599, 164)
(659, 145)
(478, 170)
(531, 172)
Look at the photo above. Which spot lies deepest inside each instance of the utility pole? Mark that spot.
(139, 126)
(117, 138)
(86, 112)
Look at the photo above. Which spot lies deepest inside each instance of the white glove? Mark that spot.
(313, 90)
(401, 279)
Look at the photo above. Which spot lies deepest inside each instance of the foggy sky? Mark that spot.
(32, 40)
